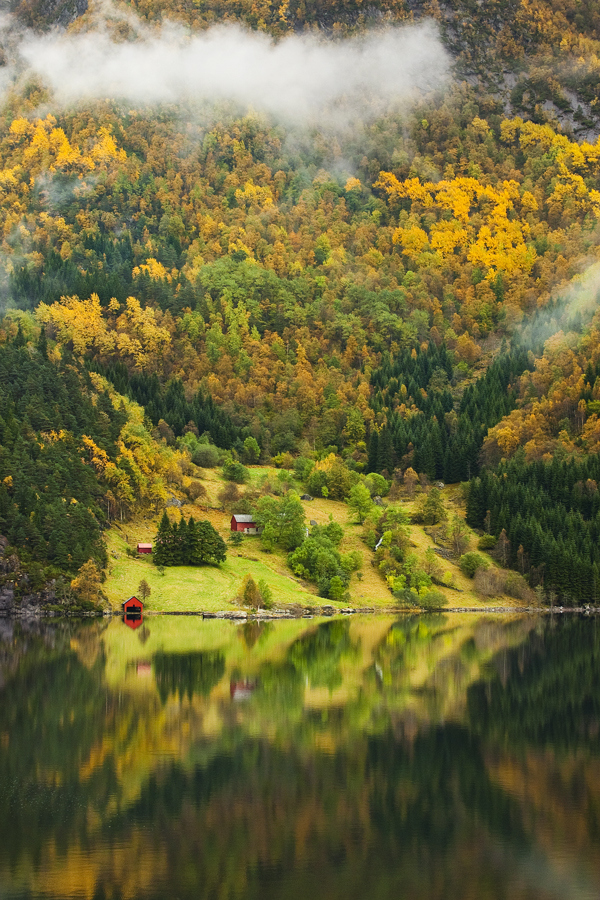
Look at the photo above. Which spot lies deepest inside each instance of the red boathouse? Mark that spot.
(144, 548)
(132, 612)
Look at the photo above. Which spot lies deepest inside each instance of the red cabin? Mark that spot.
(245, 524)
(144, 548)
(132, 612)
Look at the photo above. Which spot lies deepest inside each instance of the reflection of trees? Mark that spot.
(318, 654)
(545, 692)
(53, 710)
(186, 674)
(313, 659)
(367, 821)
(368, 815)
(254, 631)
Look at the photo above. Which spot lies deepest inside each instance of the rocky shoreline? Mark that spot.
(34, 606)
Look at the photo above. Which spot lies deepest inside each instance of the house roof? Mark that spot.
(144, 545)
(130, 599)
(243, 518)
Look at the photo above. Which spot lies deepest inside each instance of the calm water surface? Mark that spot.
(449, 757)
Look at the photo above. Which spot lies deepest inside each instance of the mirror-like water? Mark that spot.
(449, 757)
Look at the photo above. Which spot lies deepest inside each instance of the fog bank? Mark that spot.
(297, 78)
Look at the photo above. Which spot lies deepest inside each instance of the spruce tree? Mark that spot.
(163, 545)
(212, 549)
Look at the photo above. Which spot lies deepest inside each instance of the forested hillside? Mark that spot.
(402, 281)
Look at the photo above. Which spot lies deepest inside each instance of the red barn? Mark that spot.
(144, 548)
(132, 612)
(245, 524)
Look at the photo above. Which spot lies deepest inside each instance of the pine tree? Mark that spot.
(373, 452)
(163, 545)
(180, 543)
(212, 549)
(193, 552)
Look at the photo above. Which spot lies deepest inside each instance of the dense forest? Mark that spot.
(410, 287)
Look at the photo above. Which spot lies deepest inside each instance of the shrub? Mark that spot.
(229, 494)
(470, 562)
(255, 595)
(489, 582)
(206, 456)
(283, 460)
(249, 592)
(377, 485)
(433, 600)
(331, 475)
(486, 542)
(266, 594)
(303, 467)
(516, 586)
(336, 588)
(235, 471)
(251, 450)
(195, 490)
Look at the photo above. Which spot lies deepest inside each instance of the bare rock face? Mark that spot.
(43, 14)
(7, 600)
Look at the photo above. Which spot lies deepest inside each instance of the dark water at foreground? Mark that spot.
(442, 757)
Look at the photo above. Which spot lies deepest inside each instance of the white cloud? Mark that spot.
(298, 77)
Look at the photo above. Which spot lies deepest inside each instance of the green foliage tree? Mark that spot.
(359, 501)
(431, 509)
(235, 471)
(87, 585)
(470, 562)
(251, 450)
(282, 520)
(188, 543)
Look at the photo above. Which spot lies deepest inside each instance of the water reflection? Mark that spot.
(423, 757)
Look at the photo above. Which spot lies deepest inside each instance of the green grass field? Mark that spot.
(214, 588)
(206, 588)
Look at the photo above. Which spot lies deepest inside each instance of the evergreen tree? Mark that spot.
(163, 545)
(212, 548)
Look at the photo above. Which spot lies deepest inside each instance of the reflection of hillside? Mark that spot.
(559, 796)
(360, 745)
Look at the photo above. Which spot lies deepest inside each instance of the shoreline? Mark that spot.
(308, 613)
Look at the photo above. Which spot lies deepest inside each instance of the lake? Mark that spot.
(447, 756)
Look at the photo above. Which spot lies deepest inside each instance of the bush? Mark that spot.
(470, 562)
(516, 586)
(336, 588)
(251, 450)
(195, 490)
(235, 471)
(331, 478)
(491, 582)
(255, 595)
(486, 542)
(433, 600)
(377, 485)
(266, 594)
(206, 456)
(249, 592)
(284, 460)
(303, 467)
(228, 495)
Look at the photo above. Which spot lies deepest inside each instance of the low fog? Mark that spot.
(297, 78)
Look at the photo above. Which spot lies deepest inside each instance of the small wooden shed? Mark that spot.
(132, 612)
(144, 548)
(245, 524)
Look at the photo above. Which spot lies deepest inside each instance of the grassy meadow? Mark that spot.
(214, 588)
